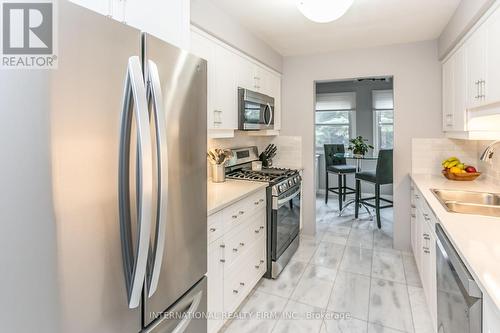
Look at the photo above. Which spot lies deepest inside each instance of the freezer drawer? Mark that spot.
(187, 315)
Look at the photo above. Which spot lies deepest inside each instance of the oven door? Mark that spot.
(285, 221)
(256, 111)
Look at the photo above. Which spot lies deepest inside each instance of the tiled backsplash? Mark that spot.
(289, 148)
(427, 155)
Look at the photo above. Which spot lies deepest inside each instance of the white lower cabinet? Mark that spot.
(236, 255)
(423, 238)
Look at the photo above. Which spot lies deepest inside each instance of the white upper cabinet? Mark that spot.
(454, 93)
(471, 83)
(492, 78)
(168, 20)
(225, 91)
(228, 70)
(476, 68)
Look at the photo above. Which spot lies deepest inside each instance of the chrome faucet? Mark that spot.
(487, 155)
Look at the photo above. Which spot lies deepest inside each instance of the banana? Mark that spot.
(453, 163)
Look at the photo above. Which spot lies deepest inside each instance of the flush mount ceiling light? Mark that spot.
(323, 11)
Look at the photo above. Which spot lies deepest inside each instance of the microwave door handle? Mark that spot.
(155, 95)
(268, 107)
(135, 266)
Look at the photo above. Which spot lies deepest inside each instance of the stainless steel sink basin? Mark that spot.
(466, 208)
(468, 202)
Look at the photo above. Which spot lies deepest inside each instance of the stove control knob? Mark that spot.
(290, 182)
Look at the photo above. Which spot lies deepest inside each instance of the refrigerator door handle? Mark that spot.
(156, 99)
(189, 313)
(135, 265)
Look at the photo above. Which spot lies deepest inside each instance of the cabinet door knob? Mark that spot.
(213, 229)
(261, 200)
(234, 216)
(241, 212)
(256, 203)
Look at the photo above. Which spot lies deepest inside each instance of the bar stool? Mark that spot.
(382, 176)
(336, 164)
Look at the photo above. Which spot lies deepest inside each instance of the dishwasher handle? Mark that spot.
(470, 286)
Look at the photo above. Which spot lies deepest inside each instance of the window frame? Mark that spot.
(377, 126)
(351, 120)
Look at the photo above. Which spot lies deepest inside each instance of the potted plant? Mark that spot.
(358, 146)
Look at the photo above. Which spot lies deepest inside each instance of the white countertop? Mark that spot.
(476, 238)
(221, 195)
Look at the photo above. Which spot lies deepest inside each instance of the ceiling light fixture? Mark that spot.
(323, 11)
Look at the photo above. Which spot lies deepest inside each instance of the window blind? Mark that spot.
(343, 101)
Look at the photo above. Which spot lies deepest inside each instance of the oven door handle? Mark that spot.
(288, 198)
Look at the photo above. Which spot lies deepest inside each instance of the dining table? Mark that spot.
(359, 165)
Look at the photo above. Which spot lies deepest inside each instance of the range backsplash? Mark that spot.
(427, 155)
(289, 153)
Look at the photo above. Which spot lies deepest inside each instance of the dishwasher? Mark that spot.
(459, 299)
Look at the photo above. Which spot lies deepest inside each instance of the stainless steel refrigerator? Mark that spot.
(122, 135)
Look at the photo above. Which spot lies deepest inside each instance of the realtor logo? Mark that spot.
(28, 34)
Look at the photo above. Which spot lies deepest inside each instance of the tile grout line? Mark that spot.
(370, 288)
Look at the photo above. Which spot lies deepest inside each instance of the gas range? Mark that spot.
(283, 205)
(280, 179)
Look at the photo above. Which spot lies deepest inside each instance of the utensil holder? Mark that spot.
(218, 173)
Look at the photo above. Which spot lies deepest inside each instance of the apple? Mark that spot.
(470, 169)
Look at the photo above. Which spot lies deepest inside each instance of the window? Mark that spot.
(335, 118)
(383, 119)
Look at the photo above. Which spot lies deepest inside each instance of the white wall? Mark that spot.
(417, 98)
(210, 18)
(466, 15)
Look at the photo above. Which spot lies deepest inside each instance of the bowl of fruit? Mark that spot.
(454, 169)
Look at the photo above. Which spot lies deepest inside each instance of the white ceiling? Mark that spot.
(368, 23)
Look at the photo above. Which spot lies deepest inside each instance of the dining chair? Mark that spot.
(381, 176)
(336, 164)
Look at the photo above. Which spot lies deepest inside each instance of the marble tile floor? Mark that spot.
(347, 278)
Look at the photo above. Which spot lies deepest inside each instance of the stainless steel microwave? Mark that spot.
(256, 111)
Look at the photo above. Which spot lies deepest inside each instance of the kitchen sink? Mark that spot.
(466, 208)
(468, 202)
(480, 198)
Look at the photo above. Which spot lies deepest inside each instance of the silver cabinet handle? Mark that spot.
(217, 121)
(260, 264)
(261, 200)
(258, 230)
(483, 89)
(236, 291)
(155, 99)
(234, 216)
(477, 90)
(256, 203)
(135, 265)
(241, 212)
(213, 229)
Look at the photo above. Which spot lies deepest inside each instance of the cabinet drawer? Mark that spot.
(240, 212)
(215, 226)
(242, 277)
(241, 239)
